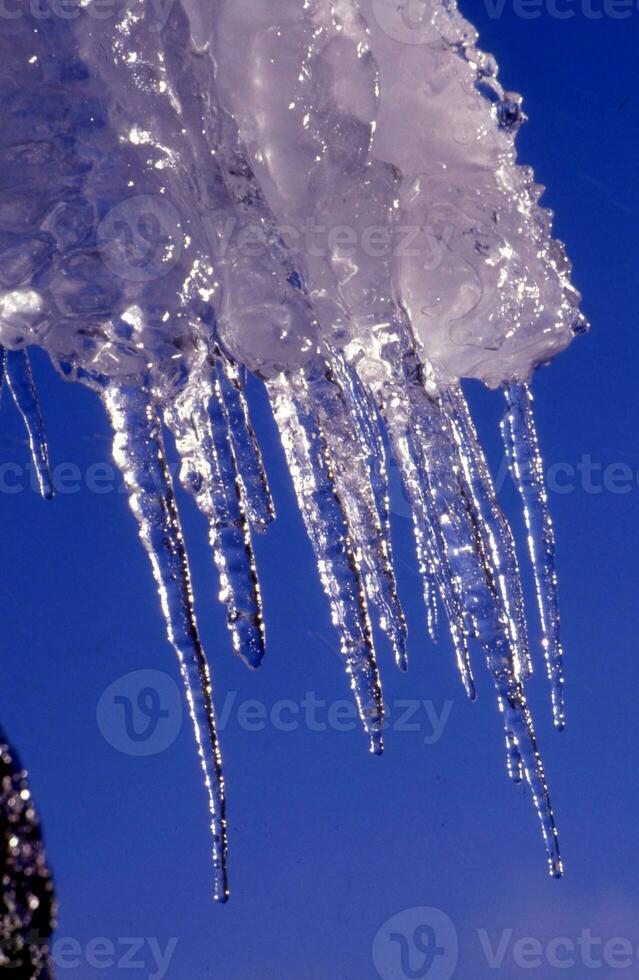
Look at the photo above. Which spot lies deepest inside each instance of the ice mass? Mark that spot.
(324, 196)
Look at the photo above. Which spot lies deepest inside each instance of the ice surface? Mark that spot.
(326, 195)
(389, 156)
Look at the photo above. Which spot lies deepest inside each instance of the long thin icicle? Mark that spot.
(526, 466)
(486, 589)
(447, 506)
(139, 452)
(357, 452)
(432, 559)
(524, 752)
(505, 656)
(259, 501)
(430, 600)
(327, 527)
(23, 390)
(198, 420)
(472, 577)
(495, 534)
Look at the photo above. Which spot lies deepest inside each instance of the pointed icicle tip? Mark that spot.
(25, 396)
(525, 463)
(296, 411)
(138, 450)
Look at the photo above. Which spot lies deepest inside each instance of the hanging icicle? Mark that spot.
(25, 396)
(252, 473)
(331, 536)
(527, 469)
(154, 240)
(139, 452)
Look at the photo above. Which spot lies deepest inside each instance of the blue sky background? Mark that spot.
(328, 843)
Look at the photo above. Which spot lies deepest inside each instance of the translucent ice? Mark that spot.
(324, 194)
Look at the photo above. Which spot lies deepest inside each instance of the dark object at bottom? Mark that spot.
(27, 902)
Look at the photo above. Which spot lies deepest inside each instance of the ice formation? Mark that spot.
(326, 195)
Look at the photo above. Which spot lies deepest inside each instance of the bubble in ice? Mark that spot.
(325, 196)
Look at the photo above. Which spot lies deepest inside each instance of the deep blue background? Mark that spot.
(328, 842)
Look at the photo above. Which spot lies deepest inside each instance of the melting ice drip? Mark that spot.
(229, 135)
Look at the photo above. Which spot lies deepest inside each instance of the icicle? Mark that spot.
(514, 761)
(22, 387)
(461, 538)
(430, 599)
(524, 754)
(491, 625)
(448, 507)
(526, 466)
(507, 660)
(259, 502)
(495, 536)
(139, 452)
(327, 527)
(432, 559)
(359, 466)
(199, 423)
(429, 589)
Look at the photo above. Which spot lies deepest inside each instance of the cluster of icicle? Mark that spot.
(326, 195)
